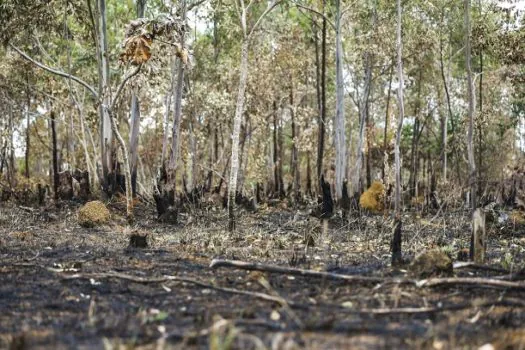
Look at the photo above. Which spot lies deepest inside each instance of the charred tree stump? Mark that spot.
(397, 257)
(478, 239)
(327, 209)
(164, 196)
(137, 240)
(345, 200)
(65, 185)
(41, 194)
(84, 190)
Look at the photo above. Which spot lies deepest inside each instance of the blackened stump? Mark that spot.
(396, 243)
(328, 204)
(138, 241)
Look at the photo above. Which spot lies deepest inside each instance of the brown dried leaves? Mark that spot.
(137, 49)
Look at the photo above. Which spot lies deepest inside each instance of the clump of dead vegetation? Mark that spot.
(431, 263)
(372, 199)
(93, 214)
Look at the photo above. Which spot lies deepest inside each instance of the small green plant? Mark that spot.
(508, 261)
(222, 335)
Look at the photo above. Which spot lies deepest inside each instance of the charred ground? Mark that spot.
(66, 286)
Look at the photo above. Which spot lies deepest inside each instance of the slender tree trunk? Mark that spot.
(296, 178)
(276, 178)
(127, 168)
(239, 110)
(387, 112)
(480, 124)
(11, 172)
(322, 116)
(28, 133)
(471, 109)
(449, 110)
(135, 119)
(280, 147)
(90, 165)
(55, 154)
(318, 84)
(415, 141)
(340, 130)
(175, 141)
(106, 136)
(167, 112)
(363, 111)
(401, 107)
(308, 175)
(245, 149)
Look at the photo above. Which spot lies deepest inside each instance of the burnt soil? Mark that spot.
(65, 286)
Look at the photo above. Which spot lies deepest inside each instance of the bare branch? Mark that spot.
(122, 84)
(55, 71)
(314, 11)
(268, 10)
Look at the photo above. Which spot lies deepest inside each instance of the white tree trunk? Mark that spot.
(135, 117)
(239, 110)
(168, 98)
(105, 121)
(363, 110)
(401, 107)
(340, 130)
(471, 110)
(175, 140)
(134, 136)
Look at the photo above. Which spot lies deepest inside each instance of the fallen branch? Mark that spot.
(28, 209)
(283, 302)
(168, 278)
(473, 265)
(216, 263)
(435, 309)
(476, 282)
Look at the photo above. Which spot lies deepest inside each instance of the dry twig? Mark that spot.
(216, 263)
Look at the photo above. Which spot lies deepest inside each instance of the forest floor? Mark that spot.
(65, 286)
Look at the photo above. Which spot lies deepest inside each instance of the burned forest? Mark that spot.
(248, 174)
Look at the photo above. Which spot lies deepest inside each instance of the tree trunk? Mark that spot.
(28, 133)
(134, 139)
(106, 136)
(135, 119)
(340, 130)
(239, 110)
(449, 110)
(471, 110)
(480, 123)
(415, 141)
(322, 114)
(275, 153)
(387, 112)
(294, 166)
(11, 172)
(127, 168)
(175, 141)
(401, 107)
(308, 175)
(54, 155)
(363, 110)
(167, 103)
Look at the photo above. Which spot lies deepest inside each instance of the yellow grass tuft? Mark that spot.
(92, 214)
(372, 199)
